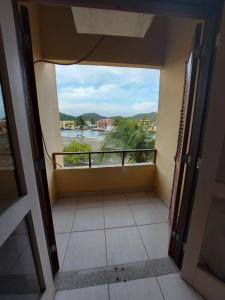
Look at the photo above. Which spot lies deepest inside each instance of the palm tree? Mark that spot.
(128, 135)
(81, 124)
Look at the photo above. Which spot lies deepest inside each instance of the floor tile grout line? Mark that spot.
(106, 252)
(60, 209)
(108, 291)
(161, 213)
(64, 256)
(143, 243)
(70, 234)
(117, 227)
(73, 220)
(111, 205)
(140, 235)
(156, 277)
(132, 214)
(127, 203)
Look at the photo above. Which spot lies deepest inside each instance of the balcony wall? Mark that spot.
(178, 46)
(47, 100)
(74, 180)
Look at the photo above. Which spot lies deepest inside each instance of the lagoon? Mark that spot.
(87, 134)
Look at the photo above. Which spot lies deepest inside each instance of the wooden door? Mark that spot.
(182, 156)
(204, 263)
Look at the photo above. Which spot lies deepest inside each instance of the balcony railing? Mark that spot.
(89, 158)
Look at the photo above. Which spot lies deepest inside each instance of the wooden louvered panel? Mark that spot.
(181, 156)
(178, 155)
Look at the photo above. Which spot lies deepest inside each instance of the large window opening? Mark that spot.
(104, 109)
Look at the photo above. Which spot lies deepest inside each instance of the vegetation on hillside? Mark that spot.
(65, 117)
(93, 117)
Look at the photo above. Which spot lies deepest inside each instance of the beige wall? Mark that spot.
(60, 41)
(178, 46)
(104, 179)
(49, 115)
(47, 100)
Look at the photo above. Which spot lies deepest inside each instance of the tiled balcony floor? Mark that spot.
(110, 229)
(167, 287)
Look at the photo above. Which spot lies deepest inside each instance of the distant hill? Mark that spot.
(151, 115)
(65, 117)
(92, 116)
(95, 117)
(86, 117)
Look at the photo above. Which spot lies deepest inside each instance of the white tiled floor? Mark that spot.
(85, 250)
(110, 229)
(121, 217)
(174, 288)
(90, 201)
(66, 203)
(167, 287)
(90, 293)
(124, 245)
(89, 219)
(146, 213)
(156, 239)
(141, 289)
(63, 220)
(62, 240)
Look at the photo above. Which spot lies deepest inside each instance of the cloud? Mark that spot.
(86, 92)
(107, 90)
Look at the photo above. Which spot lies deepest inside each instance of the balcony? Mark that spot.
(104, 232)
(116, 173)
(108, 222)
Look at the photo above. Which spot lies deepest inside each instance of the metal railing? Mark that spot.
(89, 154)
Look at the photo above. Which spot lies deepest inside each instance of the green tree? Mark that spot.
(81, 124)
(76, 147)
(116, 121)
(127, 135)
(92, 120)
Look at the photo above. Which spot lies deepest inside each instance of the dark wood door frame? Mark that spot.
(26, 60)
(207, 54)
(209, 11)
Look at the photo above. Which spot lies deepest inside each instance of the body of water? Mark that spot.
(89, 134)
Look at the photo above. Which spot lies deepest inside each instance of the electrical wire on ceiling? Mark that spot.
(66, 64)
(74, 62)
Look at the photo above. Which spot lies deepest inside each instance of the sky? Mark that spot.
(2, 109)
(108, 91)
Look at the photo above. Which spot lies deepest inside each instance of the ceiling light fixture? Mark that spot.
(111, 22)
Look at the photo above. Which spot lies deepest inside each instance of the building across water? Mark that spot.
(104, 123)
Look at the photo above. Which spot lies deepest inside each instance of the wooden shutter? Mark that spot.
(182, 156)
(178, 156)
